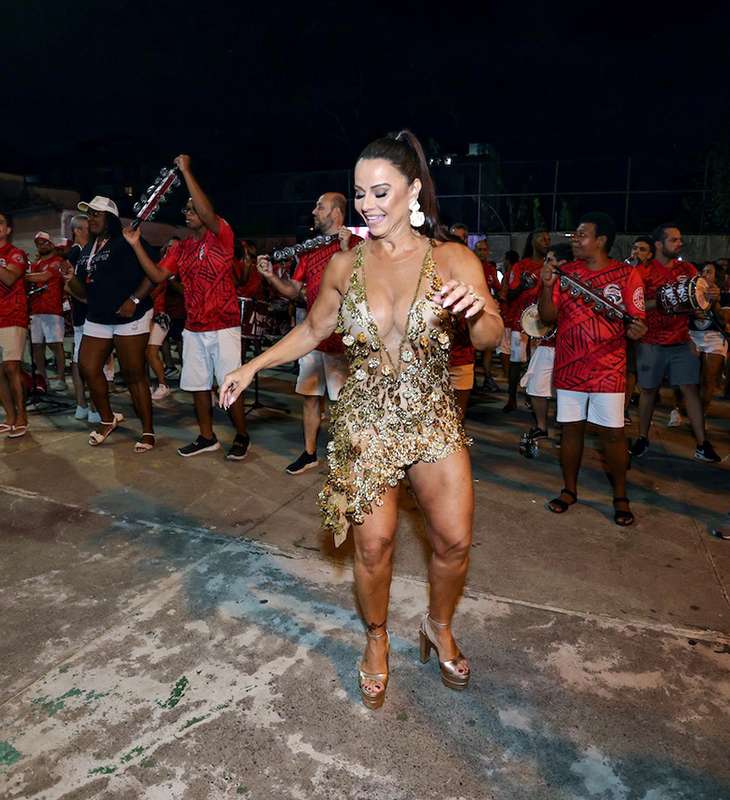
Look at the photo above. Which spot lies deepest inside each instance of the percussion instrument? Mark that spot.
(533, 326)
(601, 304)
(146, 207)
(683, 297)
(285, 253)
(255, 320)
(527, 280)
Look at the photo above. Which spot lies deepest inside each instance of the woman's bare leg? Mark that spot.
(374, 542)
(445, 492)
(93, 354)
(131, 355)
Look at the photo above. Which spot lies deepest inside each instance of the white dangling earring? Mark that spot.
(417, 216)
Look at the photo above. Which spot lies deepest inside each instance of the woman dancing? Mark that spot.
(393, 298)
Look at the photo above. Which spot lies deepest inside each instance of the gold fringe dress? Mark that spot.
(395, 409)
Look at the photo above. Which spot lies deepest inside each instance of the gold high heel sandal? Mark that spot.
(455, 673)
(373, 695)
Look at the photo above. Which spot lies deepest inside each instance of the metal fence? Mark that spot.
(503, 197)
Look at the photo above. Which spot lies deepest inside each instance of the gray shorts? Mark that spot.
(677, 361)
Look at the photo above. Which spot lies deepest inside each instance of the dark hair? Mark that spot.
(405, 153)
(512, 256)
(8, 218)
(562, 251)
(659, 233)
(458, 226)
(238, 249)
(604, 225)
(113, 224)
(647, 240)
(529, 250)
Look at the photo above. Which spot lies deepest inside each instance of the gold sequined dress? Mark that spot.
(396, 408)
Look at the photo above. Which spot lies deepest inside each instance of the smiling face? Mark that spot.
(585, 242)
(382, 196)
(709, 273)
(192, 220)
(97, 222)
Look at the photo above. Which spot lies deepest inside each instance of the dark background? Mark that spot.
(100, 96)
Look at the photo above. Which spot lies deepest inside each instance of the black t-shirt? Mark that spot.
(110, 277)
(78, 309)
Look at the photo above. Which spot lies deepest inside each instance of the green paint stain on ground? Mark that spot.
(94, 695)
(193, 720)
(133, 753)
(102, 770)
(53, 705)
(178, 690)
(8, 755)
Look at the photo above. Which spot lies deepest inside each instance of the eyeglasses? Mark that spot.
(91, 212)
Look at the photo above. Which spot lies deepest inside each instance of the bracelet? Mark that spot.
(134, 299)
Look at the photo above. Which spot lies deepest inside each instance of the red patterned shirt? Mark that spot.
(491, 276)
(590, 349)
(514, 308)
(665, 329)
(205, 268)
(13, 299)
(309, 271)
(49, 301)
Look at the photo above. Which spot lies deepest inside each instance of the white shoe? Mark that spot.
(161, 392)
(82, 412)
(94, 417)
(675, 419)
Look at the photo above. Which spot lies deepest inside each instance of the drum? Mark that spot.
(255, 321)
(683, 297)
(533, 326)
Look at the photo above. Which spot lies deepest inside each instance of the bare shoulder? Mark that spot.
(454, 259)
(339, 269)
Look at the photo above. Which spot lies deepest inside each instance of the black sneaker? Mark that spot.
(537, 433)
(627, 417)
(640, 447)
(303, 463)
(706, 452)
(239, 448)
(490, 385)
(200, 445)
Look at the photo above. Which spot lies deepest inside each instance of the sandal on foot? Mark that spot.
(622, 518)
(455, 672)
(372, 685)
(559, 506)
(5, 428)
(143, 447)
(96, 438)
(18, 431)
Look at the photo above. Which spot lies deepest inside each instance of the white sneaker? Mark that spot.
(161, 392)
(82, 412)
(94, 417)
(675, 419)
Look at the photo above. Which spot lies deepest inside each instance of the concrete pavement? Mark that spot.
(179, 628)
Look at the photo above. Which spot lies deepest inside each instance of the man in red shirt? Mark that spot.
(46, 308)
(590, 357)
(324, 369)
(481, 249)
(521, 288)
(666, 348)
(212, 335)
(13, 329)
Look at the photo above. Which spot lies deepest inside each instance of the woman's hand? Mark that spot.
(234, 384)
(459, 298)
(127, 309)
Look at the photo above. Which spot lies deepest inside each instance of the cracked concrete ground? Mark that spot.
(179, 629)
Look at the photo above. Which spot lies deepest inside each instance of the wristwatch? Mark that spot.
(134, 299)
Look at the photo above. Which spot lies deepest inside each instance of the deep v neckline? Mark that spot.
(406, 328)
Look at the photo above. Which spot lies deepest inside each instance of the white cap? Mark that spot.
(43, 235)
(100, 203)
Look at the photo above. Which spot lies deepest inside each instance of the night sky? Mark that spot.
(245, 89)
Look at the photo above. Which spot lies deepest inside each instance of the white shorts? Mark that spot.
(462, 377)
(47, 328)
(135, 328)
(12, 343)
(158, 334)
(538, 379)
(601, 408)
(319, 371)
(711, 342)
(209, 356)
(78, 334)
